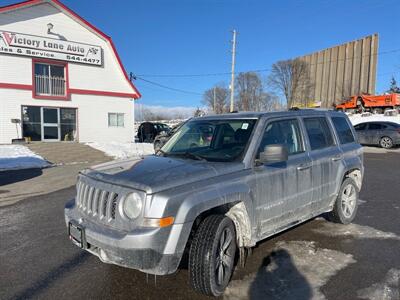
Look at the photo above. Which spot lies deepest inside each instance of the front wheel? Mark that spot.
(345, 208)
(386, 142)
(212, 255)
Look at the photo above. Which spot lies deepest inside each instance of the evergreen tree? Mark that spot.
(393, 86)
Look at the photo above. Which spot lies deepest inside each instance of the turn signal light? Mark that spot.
(159, 223)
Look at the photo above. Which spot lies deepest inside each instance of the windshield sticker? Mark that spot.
(245, 126)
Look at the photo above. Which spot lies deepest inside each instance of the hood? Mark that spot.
(154, 173)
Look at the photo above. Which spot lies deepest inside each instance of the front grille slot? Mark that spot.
(96, 202)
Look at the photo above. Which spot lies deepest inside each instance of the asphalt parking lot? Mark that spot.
(316, 260)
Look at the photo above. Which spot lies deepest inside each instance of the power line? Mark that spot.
(264, 69)
(135, 77)
(167, 87)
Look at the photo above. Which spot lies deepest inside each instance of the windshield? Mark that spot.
(212, 140)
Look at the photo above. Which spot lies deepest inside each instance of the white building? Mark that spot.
(61, 78)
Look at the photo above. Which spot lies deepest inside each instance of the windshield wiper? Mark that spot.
(193, 156)
(189, 155)
(164, 154)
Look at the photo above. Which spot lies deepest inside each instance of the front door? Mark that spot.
(283, 190)
(50, 124)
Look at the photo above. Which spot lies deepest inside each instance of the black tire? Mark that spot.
(386, 142)
(205, 252)
(341, 213)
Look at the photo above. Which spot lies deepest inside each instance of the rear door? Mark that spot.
(326, 157)
(374, 132)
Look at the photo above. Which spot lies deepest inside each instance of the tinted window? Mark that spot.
(343, 130)
(376, 126)
(361, 126)
(318, 133)
(212, 140)
(285, 132)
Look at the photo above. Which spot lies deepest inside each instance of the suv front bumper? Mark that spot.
(151, 250)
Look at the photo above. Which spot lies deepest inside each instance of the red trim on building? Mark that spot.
(29, 87)
(101, 93)
(55, 63)
(16, 86)
(137, 94)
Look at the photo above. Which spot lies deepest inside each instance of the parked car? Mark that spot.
(163, 137)
(221, 184)
(384, 134)
(147, 131)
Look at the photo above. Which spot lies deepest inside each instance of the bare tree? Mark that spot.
(216, 98)
(292, 79)
(249, 92)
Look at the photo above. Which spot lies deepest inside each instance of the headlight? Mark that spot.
(133, 204)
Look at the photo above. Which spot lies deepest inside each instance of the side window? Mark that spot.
(360, 127)
(343, 130)
(318, 133)
(286, 132)
(375, 126)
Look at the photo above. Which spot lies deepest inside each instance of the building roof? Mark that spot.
(56, 3)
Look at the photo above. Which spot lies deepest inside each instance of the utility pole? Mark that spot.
(215, 102)
(233, 69)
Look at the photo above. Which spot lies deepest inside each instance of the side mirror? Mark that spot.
(273, 154)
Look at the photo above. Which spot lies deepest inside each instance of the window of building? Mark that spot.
(318, 133)
(115, 120)
(50, 80)
(343, 130)
(285, 132)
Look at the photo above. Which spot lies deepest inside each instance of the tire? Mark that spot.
(346, 205)
(205, 263)
(386, 142)
(377, 111)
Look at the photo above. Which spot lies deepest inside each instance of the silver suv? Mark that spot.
(217, 187)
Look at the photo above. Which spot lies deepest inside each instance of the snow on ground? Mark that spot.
(14, 157)
(359, 118)
(355, 231)
(294, 270)
(388, 289)
(123, 150)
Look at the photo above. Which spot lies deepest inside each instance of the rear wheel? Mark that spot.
(212, 255)
(346, 204)
(386, 142)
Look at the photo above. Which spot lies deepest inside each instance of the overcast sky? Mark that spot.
(193, 37)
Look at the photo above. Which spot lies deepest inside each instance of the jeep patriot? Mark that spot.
(219, 185)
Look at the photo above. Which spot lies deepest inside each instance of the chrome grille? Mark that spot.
(96, 202)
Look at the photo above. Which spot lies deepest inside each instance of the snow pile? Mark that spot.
(14, 157)
(123, 150)
(294, 270)
(358, 118)
(388, 289)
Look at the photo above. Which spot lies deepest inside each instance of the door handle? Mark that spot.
(303, 167)
(336, 158)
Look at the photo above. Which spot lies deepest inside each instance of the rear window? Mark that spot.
(318, 133)
(376, 126)
(343, 130)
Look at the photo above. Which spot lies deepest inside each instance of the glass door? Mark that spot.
(50, 124)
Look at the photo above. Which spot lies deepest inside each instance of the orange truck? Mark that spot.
(372, 103)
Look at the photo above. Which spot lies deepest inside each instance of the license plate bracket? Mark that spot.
(76, 234)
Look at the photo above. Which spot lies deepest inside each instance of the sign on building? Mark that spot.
(36, 46)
